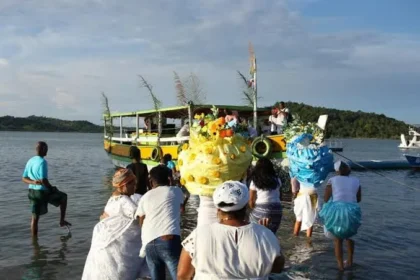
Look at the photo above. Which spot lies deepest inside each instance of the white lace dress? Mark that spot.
(116, 242)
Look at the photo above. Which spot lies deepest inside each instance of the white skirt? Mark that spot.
(305, 209)
(114, 253)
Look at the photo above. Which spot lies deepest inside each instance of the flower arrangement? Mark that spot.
(212, 127)
(298, 127)
(310, 160)
(215, 153)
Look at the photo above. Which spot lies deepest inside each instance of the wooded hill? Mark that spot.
(44, 124)
(341, 123)
(350, 124)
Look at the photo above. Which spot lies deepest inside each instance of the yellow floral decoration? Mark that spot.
(212, 156)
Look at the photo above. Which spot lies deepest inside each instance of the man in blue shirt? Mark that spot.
(41, 192)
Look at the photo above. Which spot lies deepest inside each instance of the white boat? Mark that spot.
(414, 143)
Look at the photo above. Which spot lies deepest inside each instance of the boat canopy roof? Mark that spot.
(182, 111)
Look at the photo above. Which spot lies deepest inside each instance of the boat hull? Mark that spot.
(414, 161)
(120, 153)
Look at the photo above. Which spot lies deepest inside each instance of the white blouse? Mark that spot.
(216, 254)
(344, 188)
(121, 204)
(266, 196)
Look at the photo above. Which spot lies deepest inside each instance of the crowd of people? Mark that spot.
(274, 124)
(139, 232)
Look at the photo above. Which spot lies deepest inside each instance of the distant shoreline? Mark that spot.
(43, 131)
(337, 138)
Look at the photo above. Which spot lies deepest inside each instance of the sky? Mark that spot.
(57, 56)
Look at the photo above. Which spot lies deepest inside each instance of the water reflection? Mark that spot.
(43, 257)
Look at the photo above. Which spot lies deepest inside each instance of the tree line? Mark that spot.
(350, 124)
(44, 124)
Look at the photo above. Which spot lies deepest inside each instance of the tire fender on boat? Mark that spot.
(261, 147)
(156, 154)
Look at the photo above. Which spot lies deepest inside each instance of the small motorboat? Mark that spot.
(414, 143)
(414, 161)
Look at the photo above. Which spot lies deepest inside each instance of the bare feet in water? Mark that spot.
(64, 224)
(347, 264)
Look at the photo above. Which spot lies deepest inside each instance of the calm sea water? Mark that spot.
(387, 246)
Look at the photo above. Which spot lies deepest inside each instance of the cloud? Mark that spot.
(60, 55)
(3, 62)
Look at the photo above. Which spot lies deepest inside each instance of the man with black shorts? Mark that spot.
(41, 192)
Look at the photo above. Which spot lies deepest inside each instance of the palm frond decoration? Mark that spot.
(156, 102)
(194, 91)
(107, 116)
(248, 92)
(181, 94)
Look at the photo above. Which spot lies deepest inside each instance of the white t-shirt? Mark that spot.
(162, 208)
(344, 188)
(266, 196)
(216, 255)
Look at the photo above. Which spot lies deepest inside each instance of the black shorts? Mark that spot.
(41, 198)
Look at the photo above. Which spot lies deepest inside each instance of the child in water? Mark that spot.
(341, 213)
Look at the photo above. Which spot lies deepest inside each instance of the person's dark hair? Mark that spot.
(160, 175)
(344, 169)
(282, 104)
(41, 148)
(264, 176)
(238, 215)
(167, 158)
(135, 153)
(228, 112)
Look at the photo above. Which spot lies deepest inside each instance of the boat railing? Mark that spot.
(334, 143)
(150, 139)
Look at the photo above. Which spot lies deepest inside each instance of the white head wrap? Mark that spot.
(338, 163)
(231, 192)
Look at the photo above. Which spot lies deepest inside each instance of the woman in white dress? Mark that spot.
(116, 239)
(232, 248)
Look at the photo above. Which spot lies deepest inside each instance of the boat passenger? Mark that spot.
(167, 161)
(341, 213)
(264, 198)
(140, 170)
(116, 239)
(41, 192)
(160, 215)
(266, 128)
(149, 125)
(184, 131)
(231, 248)
(232, 118)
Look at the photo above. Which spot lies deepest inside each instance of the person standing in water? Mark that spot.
(341, 213)
(41, 192)
(140, 170)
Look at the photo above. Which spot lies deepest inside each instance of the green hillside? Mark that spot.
(341, 124)
(350, 124)
(44, 124)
